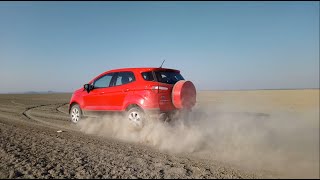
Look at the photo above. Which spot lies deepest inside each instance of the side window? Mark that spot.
(124, 78)
(148, 76)
(103, 82)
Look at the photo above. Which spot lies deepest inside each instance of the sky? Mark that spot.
(59, 46)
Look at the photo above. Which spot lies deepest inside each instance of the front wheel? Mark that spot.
(76, 113)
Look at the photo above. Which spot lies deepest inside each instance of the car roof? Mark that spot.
(142, 69)
(136, 70)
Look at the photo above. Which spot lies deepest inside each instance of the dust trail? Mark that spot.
(156, 133)
(283, 142)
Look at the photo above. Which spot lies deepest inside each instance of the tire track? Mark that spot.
(24, 113)
(61, 110)
(64, 126)
(42, 105)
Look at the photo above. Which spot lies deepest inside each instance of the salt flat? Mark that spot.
(230, 134)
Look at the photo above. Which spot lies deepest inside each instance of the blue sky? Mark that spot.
(60, 46)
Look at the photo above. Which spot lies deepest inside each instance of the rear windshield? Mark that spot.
(169, 77)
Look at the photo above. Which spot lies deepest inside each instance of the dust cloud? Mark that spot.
(282, 142)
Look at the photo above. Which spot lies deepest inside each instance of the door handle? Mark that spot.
(101, 93)
(126, 90)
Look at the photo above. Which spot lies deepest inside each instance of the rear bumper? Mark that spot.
(157, 113)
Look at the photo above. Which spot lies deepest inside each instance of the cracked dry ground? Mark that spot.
(31, 148)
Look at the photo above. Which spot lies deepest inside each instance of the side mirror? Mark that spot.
(88, 87)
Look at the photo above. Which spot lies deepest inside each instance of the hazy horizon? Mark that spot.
(59, 46)
(198, 90)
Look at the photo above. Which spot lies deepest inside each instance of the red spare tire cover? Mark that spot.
(184, 95)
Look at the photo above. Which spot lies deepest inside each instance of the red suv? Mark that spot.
(137, 92)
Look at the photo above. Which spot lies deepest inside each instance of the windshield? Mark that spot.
(169, 77)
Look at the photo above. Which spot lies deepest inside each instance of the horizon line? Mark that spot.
(60, 92)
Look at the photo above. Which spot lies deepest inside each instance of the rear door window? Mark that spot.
(124, 78)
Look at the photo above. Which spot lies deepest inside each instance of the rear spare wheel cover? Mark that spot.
(184, 95)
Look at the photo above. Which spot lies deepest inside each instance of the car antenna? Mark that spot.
(162, 63)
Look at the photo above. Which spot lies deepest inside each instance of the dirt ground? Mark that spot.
(230, 134)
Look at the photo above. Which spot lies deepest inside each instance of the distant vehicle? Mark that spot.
(137, 93)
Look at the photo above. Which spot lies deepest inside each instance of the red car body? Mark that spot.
(150, 89)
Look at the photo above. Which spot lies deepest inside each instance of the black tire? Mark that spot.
(75, 113)
(136, 117)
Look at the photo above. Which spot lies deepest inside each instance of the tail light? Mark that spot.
(159, 89)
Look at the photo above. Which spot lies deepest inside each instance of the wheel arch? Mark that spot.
(129, 106)
(72, 104)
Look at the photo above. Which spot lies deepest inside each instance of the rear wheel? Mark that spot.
(76, 113)
(136, 117)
